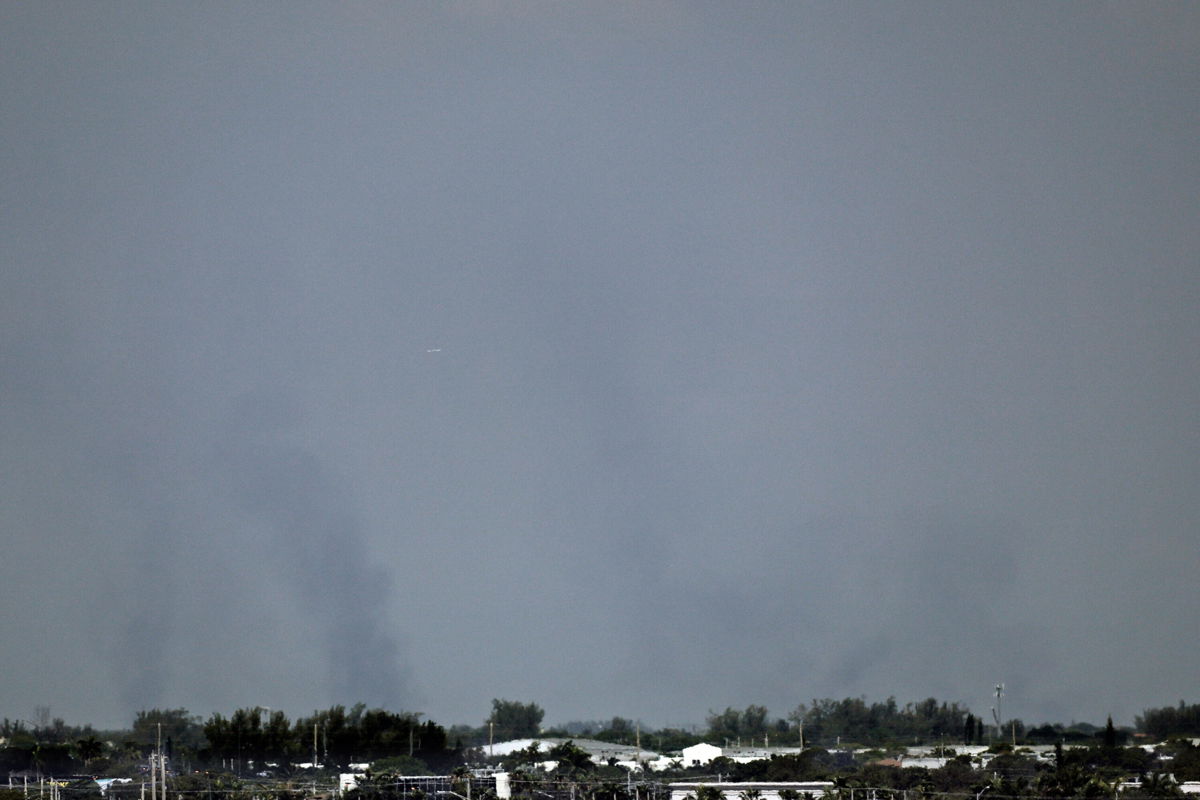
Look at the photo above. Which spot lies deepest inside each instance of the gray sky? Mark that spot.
(631, 358)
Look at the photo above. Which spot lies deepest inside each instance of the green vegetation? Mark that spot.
(513, 720)
(334, 737)
(261, 753)
(732, 726)
(1167, 722)
(831, 721)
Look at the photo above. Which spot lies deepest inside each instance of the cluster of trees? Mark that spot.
(335, 737)
(732, 726)
(829, 722)
(51, 747)
(250, 740)
(256, 740)
(1168, 721)
(825, 722)
(853, 720)
(511, 719)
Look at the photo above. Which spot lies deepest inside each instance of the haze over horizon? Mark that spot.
(632, 359)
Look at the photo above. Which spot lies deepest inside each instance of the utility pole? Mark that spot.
(162, 762)
(154, 765)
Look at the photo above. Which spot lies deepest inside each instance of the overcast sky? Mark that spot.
(634, 359)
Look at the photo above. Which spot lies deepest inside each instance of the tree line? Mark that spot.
(1169, 721)
(260, 740)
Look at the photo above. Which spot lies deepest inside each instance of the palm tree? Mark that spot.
(89, 748)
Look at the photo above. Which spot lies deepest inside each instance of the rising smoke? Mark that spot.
(310, 521)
